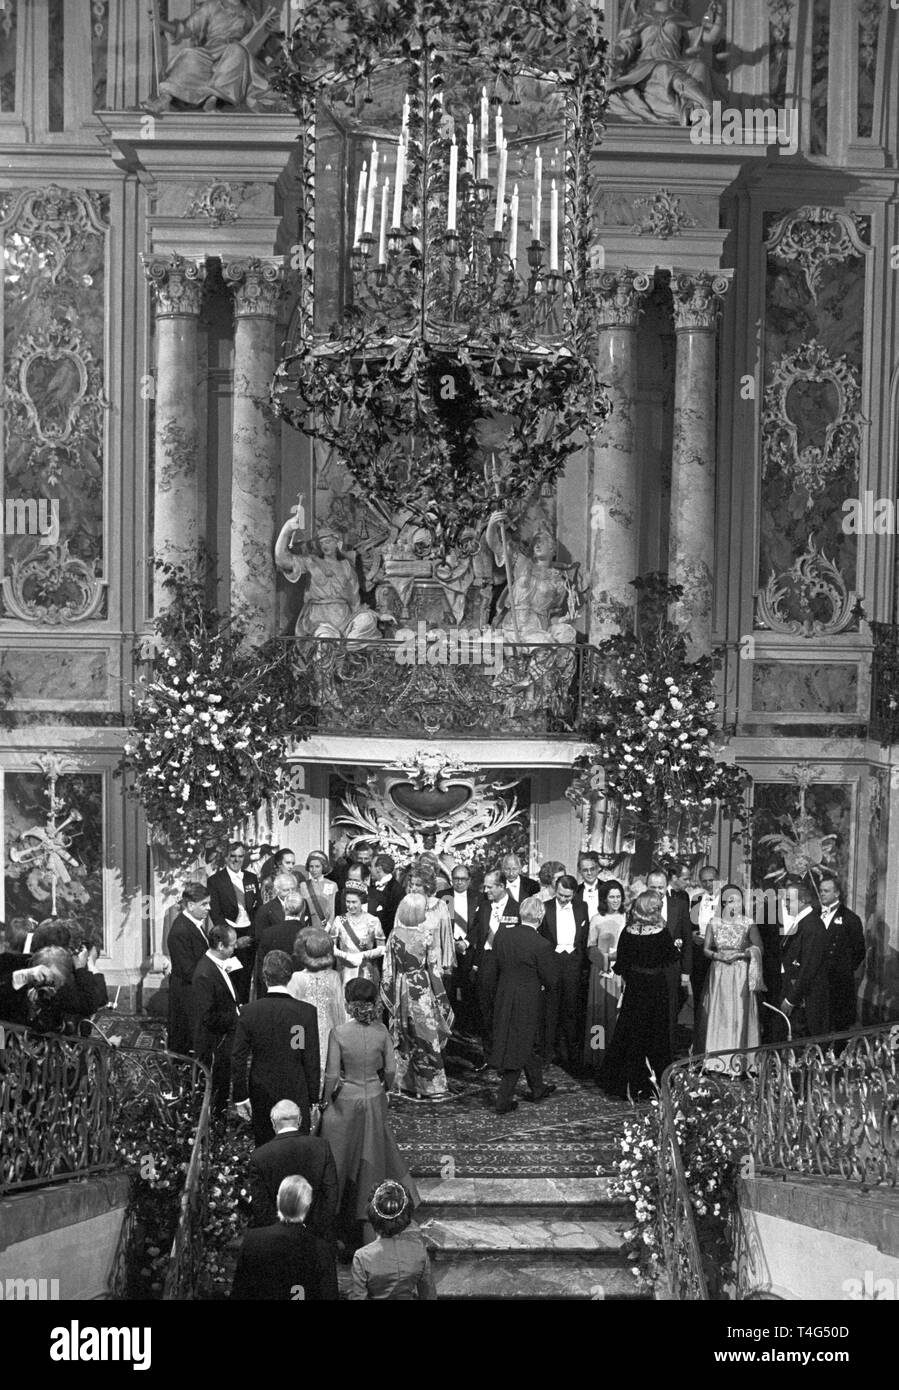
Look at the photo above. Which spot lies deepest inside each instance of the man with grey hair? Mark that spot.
(293, 1152)
(286, 1261)
(279, 931)
(527, 971)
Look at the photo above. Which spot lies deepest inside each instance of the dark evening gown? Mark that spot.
(642, 1037)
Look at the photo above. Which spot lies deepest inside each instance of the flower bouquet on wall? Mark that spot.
(655, 755)
(210, 723)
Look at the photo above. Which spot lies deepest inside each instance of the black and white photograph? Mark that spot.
(449, 666)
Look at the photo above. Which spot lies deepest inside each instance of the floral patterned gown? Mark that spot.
(420, 1017)
(730, 1007)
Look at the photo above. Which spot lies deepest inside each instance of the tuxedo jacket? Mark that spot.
(480, 929)
(223, 899)
(581, 929)
(845, 944)
(13, 1002)
(214, 1009)
(383, 903)
(186, 947)
(681, 928)
(276, 1054)
(276, 1262)
(803, 973)
(280, 1158)
(278, 936)
(527, 887)
(473, 902)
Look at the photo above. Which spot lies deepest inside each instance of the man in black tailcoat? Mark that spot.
(527, 978)
(384, 893)
(462, 902)
(566, 926)
(293, 1152)
(280, 933)
(234, 897)
(496, 912)
(804, 990)
(276, 1053)
(676, 916)
(186, 945)
(845, 952)
(214, 1004)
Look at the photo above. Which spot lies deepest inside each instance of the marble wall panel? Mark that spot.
(807, 688)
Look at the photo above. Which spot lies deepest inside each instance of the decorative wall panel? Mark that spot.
(54, 242)
(53, 841)
(812, 426)
(869, 16)
(801, 827)
(803, 687)
(50, 679)
(9, 31)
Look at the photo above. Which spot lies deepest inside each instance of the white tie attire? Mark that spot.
(591, 899)
(243, 920)
(565, 929)
(223, 967)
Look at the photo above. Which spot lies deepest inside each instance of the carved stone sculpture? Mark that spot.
(333, 606)
(663, 64)
(215, 61)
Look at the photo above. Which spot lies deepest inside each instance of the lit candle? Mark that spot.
(405, 125)
(485, 117)
(513, 219)
(469, 143)
(553, 226)
(372, 188)
(360, 204)
(453, 176)
(501, 186)
(538, 193)
(535, 220)
(398, 189)
(499, 127)
(382, 242)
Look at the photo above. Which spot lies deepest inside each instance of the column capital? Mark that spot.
(257, 285)
(697, 296)
(177, 284)
(618, 296)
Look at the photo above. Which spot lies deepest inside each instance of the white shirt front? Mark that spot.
(790, 924)
(497, 911)
(223, 967)
(591, 897)
(828, 913)
(460, 910)
(708, 906)
(242, 919)
(565, 929)
(513, 888)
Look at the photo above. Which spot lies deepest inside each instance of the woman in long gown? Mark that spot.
(422, 879)
(320, 893)
(358, 938)
(642, 1039)
(360, 1071)
(604, 990)
(316, 982)
(730, 1008)
(419, 1013)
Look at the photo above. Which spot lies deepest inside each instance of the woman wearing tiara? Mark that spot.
(396, 1265)
(729, 1016)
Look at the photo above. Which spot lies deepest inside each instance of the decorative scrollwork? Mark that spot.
(257, 285)
(812, 467)
(663, 215)
(48, 585)
(817, 237)
(811, 581)
(218, 203)
(61, 414)
(54, 219)
(697, 297)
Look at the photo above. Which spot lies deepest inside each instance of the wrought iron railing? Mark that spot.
(826, 1106)
(76, 1107)
(884, 717)
(472, 686)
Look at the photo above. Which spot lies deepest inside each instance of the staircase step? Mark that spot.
(495, 1277)
(512, 1235)
(575, 1192)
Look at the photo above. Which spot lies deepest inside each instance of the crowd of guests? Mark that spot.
(48, 977)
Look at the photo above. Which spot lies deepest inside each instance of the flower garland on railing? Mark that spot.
(653, 729)
(211, 716)
(713, 1125)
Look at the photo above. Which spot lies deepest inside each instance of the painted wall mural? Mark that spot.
(802, 826)
(53, 834)
(812, 426)
(54, 244)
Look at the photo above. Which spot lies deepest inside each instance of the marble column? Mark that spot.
(256, 436)
(177, 287)
(614, 515)
(697, 299)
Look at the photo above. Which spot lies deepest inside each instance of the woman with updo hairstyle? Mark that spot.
(396, 1264)
(642, 1039)
(320, 892)
(419, 1014)
(605, 987)
(316, 982)
(360, 1069)
(421, 878)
